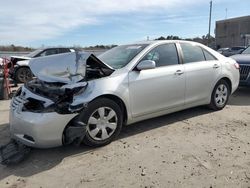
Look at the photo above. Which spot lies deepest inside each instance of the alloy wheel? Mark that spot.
(102, 123)
(221, 95)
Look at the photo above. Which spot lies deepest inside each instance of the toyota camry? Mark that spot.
(78, 97)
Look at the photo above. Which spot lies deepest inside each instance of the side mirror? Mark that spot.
(146, 64)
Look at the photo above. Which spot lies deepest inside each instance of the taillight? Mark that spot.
(236, 65)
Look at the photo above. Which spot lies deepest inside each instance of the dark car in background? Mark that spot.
(243, 60)
(19, 68)
(231, 51)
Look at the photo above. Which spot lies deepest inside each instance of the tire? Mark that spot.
(220, 95)
(23, 75)
(103, 118)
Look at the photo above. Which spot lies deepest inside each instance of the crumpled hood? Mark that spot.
(241, 58)
(66, 68)
(20, 57)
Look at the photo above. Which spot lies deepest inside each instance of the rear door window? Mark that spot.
(192, 53)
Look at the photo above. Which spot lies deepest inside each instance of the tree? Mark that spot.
(161, 38)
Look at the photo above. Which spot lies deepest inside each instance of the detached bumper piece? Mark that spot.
(13, 153)
(75, 134)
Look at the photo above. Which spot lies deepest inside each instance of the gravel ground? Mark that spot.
(191, 148)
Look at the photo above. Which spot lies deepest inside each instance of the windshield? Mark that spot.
(34, 53)
(120, 56)
(246, 51)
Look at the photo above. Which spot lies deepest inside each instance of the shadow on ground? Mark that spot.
(42, 160)
(241, 97)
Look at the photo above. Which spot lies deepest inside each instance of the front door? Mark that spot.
(160, 88)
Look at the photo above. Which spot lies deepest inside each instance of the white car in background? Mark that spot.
(81, 97)
(20, 70)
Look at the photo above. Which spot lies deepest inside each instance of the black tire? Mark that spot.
(23, 75)
(215, 101)
(90, 112)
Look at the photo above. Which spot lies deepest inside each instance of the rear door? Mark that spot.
(202, 70)
(161, 88)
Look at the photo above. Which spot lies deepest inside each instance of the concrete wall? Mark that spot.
(233, 32)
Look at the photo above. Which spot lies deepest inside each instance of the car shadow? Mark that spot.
(241, 97)
(161, 121)
(4, 134)
(44, 159)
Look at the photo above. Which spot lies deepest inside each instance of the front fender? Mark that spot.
(112, 85)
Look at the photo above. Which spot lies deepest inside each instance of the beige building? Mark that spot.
(233, 32)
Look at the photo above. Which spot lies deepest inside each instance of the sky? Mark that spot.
(36, 23)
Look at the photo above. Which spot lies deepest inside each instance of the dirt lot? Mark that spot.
(192, 148)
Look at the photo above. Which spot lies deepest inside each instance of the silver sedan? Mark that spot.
(80, 97)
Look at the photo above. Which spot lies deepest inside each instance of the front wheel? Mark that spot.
(103, 118)
(220, 95)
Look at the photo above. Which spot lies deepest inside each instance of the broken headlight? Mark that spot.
(34, 105)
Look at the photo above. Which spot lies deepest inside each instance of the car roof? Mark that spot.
(54, 48)
(162, 41)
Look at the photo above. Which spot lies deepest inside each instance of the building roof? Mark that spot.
(235, 19)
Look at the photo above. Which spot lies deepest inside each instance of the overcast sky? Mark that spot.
(90, 22)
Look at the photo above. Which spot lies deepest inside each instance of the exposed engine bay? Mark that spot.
(57, 82)
(57, 96)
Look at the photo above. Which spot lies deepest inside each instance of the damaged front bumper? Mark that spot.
(40, 130)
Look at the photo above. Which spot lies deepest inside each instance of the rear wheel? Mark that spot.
(103, 118)
(220, 95)
(23, 74)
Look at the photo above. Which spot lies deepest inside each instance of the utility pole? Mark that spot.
(209, 27)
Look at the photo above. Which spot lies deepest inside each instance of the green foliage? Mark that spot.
(170, 37)
(96, 47)
(13, 48)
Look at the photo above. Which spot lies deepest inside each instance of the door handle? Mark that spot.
(179, 72)
(216, 66)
